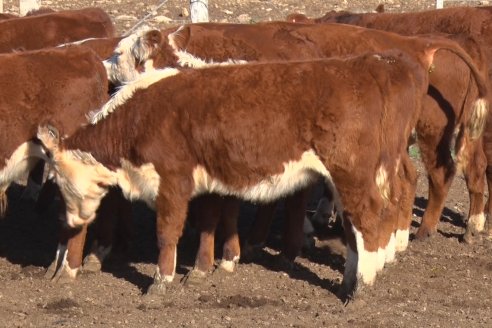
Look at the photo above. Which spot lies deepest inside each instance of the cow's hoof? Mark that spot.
(423, 234)
(64, 275)
(92, 264)
(51, 271)
(228, 265)
(194, 277)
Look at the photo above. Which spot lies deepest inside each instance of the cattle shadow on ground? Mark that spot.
(448, 215)
(28, 237)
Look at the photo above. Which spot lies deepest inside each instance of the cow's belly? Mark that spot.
(296, 175)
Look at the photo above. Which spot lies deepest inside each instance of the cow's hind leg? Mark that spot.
(231, 248)
(441, 170)
(205, 212)
(474, 170)
(259, 230)
(407, 174)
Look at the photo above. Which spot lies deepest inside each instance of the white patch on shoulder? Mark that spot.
(477, 221)
(139, 182)
(127, 91)
(401, 242)
(297, 174)
(382, 183)
(367, 261)
(17, 167)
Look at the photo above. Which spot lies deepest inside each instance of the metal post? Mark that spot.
(439, 4)
(199, 11)
(26, 6)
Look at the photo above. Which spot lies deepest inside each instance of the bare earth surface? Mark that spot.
(438, 283)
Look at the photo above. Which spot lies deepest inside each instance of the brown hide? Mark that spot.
(477, 24)
(52, 29)
(59, 84)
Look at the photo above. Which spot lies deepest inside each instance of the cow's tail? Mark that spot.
(477, 118)
(3, 203)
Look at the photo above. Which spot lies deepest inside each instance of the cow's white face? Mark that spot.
(83, 181)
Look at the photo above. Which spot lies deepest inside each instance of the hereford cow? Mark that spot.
(197, 44)
(52, 29)
(475, 22)
(258, 132)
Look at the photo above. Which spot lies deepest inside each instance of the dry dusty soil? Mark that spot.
(438, 283)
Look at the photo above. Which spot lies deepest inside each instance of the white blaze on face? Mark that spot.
(296, 175)
(17, 167)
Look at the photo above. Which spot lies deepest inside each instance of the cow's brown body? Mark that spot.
(470, 21)
(52, 29)
(450, 78)
(230, 129)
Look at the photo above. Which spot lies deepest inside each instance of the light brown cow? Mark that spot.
(474, 22)
(52, 29)
(197, 44)
(259, 132)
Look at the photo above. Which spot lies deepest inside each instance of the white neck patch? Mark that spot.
(127, 91)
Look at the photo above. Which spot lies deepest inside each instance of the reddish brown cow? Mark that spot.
(474, 22)
(77, 85)
(167, 137)
(51, 29)
(221, 42)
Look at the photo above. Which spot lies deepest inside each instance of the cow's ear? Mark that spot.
(49, 136)
(153, 38)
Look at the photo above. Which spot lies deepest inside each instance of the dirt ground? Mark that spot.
(438, 283)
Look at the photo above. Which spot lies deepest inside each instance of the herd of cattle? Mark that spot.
(219, 113)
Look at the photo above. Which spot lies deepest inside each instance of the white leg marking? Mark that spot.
(72, 273)
(477, 221)
(170, 278)
(367, 261)
(229, 265)
(402, 237)
(390, 249)
(380, 259)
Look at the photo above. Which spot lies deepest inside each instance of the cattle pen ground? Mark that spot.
(441, 282)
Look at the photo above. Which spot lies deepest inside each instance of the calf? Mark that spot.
(257, 132)
(474, 22)
(197, 44)
(52, 29)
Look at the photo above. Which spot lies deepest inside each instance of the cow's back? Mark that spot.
(52, 29)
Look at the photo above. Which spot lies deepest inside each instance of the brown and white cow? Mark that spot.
(470, 21)
(52, 29)
(195, 45)
(258, 132)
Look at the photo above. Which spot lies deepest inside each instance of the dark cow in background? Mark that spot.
(195, 45)
(470, 21)
(52, 29)
(167, 138)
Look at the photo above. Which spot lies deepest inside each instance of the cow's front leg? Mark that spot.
(171, 216)
(68, 258)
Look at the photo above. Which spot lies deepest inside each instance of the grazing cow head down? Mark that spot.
(83, 181)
